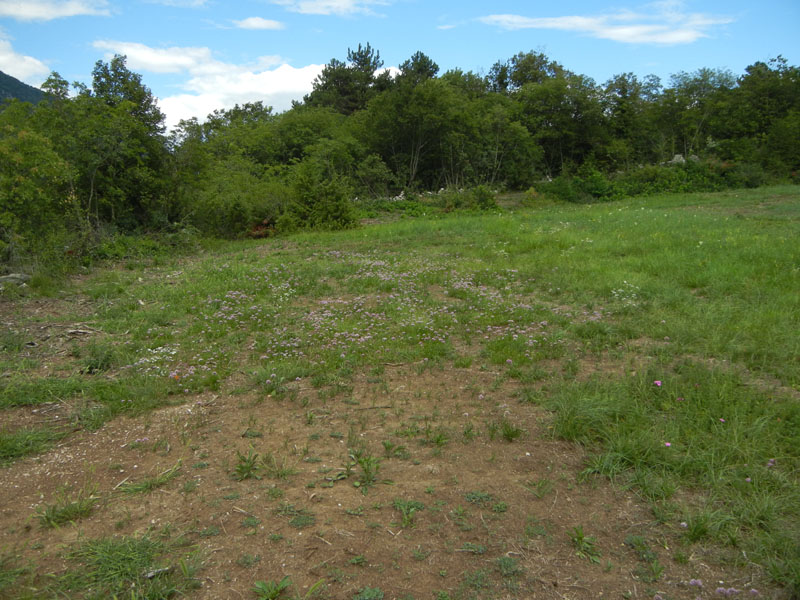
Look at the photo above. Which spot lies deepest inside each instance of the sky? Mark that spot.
(201, 55)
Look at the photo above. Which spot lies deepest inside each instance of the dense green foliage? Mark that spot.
(76, 167)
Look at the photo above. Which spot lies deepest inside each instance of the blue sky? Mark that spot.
(200, 55)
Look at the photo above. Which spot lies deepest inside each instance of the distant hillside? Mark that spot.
(10, 87)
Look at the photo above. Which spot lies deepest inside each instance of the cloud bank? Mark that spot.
(331, 7)
(258, 23)
(213, 84)
(47, 10)
(666, 23)
(25, 68)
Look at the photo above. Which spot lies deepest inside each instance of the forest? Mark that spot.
(89, 164)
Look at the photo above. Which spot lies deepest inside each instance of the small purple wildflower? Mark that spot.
(667, 444)
(747, 479)
(684, 524)
(696, 582)
(657, 383)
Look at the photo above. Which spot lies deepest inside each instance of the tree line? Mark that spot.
(93, 160)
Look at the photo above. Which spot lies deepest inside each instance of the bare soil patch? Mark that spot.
(496, 518)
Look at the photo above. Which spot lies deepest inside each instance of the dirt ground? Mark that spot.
(498, 518)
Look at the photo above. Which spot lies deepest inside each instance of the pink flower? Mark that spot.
(722, 420)
(667, 444)
(657, 383)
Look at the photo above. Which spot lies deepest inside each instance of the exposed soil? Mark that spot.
(484, 499)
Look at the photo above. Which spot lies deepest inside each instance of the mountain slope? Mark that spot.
(10, 87)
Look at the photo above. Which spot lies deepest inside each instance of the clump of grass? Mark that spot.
(509, 431)
(152, 483)
(67, 510)
(276, 469)
(114, 566)
(539, 488)
(9, 572)
(22, 442)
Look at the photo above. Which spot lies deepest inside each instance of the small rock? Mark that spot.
(15, 278)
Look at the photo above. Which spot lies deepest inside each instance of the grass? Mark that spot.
(149, 484)
(659, 333)
(130, 567)
(67, 510)
(22, 442)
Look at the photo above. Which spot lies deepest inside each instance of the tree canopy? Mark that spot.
(97, 156)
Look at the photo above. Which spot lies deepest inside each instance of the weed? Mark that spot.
(479, 498)
(420, 553)
(539, 488)
(508, 566)
(248, 560)
(473, 548)
(477, 580)
(408, 509)
(370, 465)
(247, 466)
(585, 545)
(649, 572)
(392, 450)
(271, 590)
(499, 507)
(299, 517)
(251, 521)
(369, 593)
(209, 532)
(358, 561)
(461, 518)
(469, 433)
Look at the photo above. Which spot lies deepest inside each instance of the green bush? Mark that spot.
(589, 184)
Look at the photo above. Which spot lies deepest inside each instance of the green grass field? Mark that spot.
(661, 334)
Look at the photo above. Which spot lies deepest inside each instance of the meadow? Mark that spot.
(546, 400)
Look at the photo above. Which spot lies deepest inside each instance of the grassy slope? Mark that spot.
(696, 292)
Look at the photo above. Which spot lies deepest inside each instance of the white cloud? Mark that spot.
(158, 60)
(258, 23)
(665, 24)
(47, 10)
(213, 84)
(331, 7)
(25, 68)
(181, 3)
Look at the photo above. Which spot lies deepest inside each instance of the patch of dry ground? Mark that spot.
(484, 498)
